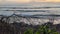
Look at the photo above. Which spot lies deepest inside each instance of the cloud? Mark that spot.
(25, 1)
(46, 0)
(28, 1)
(16, 1)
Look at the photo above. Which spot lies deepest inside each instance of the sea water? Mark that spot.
(8, 11)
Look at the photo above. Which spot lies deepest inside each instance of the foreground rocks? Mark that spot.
(20, 28)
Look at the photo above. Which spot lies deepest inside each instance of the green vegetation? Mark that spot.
(43, 29)
(29, 31)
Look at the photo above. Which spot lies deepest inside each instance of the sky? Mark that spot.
(27, 2)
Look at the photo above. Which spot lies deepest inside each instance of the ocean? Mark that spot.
(38, 11)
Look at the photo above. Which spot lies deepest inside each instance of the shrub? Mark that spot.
(29, 31)
(43, 29)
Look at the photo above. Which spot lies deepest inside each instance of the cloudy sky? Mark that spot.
(28, 2)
